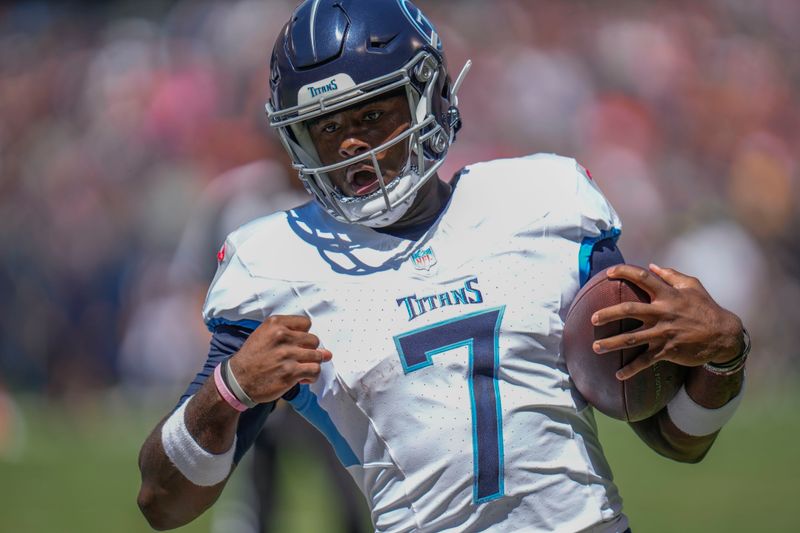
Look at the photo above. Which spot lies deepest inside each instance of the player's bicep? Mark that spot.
(226, 341)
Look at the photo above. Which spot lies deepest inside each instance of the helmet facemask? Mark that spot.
(432, 129)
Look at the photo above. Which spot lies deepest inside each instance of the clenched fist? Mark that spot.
(279, 354)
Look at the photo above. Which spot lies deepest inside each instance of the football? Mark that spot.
(631, 400)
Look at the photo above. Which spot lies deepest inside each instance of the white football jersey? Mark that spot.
(447, 397)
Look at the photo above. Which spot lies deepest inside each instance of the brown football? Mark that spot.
(636, 398)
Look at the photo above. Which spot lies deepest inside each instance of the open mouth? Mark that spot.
(361, 184)
(362, 180)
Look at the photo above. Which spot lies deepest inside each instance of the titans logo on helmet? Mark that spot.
(421, 22)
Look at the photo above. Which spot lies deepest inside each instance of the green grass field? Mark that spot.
(747, 483)
(79, 474)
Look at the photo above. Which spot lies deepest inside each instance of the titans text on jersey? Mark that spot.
(467, 293)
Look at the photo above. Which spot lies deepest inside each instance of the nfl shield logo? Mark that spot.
(423, 258)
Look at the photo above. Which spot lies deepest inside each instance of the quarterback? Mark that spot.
(417, 323)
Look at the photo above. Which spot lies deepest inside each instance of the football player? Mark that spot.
(417, 323)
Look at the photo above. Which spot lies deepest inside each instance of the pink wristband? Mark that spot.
(226, 394)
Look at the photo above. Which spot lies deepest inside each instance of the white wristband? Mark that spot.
(696, 420)
(196, 464)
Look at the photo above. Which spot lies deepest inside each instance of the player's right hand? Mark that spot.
(279, 354)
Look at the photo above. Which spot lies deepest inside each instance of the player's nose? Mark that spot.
(353, 146)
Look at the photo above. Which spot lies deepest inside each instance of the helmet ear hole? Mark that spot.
(424, 71)
(438, 143)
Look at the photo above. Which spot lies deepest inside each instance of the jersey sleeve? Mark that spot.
(246, 287)
(595, 209)
(232, 298)
(597, 222)
(577, 211)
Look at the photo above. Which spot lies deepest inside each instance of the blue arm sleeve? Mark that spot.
(226, 341)
(604, 254)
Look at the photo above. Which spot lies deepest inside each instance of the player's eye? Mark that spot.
(330, 127)
(371, 116)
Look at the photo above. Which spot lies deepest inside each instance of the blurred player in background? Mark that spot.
(415, 322)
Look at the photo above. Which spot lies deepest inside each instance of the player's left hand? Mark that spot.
(682, 323)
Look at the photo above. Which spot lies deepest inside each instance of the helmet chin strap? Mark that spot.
(393, 215)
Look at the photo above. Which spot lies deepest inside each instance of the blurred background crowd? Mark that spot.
(133, 138)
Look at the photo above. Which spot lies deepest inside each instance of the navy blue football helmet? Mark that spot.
(336, 53)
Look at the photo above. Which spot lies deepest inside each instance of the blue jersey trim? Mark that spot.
(305, 402)
(585, 253)
(216, 322)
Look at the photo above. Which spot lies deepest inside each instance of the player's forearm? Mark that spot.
(711, 390)
(661, 435)
(166, 497)
(708, 390)
(211, 420)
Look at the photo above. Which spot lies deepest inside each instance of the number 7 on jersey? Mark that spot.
(479, 332)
